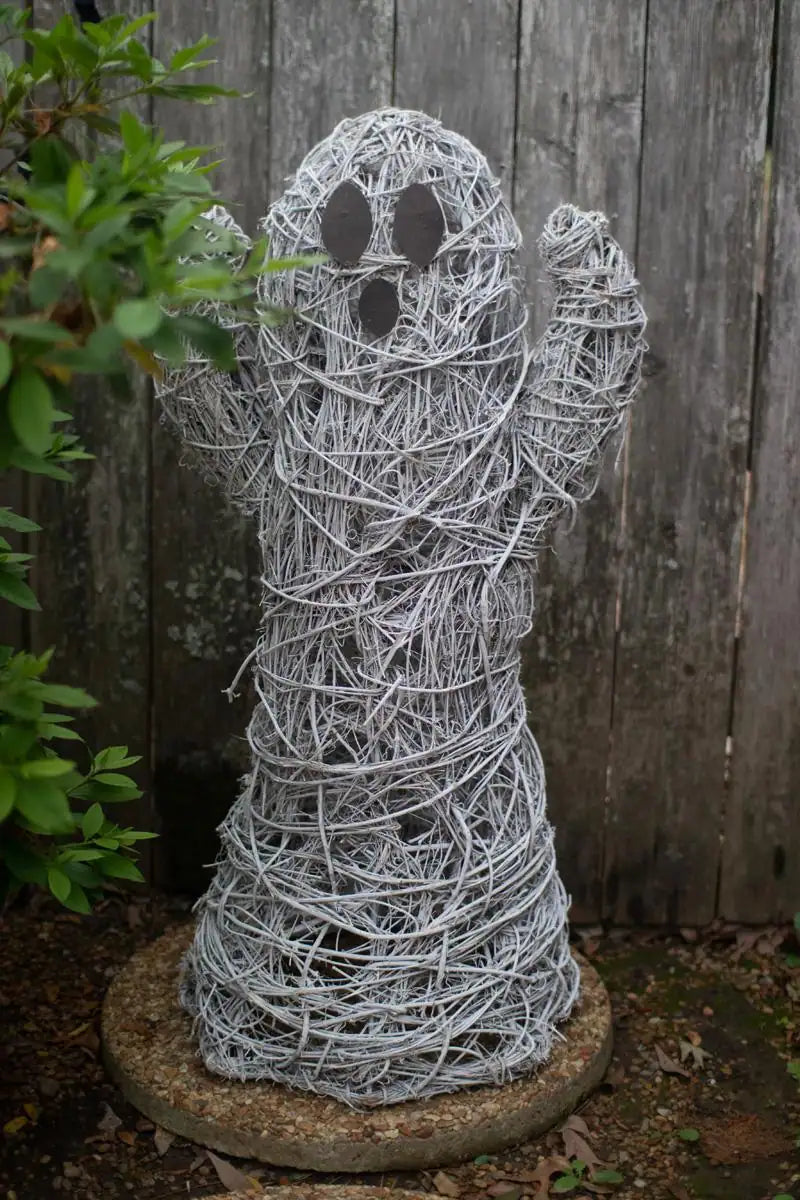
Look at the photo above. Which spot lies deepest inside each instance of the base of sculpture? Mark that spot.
(152, 1057)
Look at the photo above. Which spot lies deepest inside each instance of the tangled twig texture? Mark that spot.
(386, 921)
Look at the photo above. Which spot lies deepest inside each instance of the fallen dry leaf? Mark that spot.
(445, 1186)
(574, 1132)
(668, 1065)
(231, 1177)
(501, 1191)
(544, 1169)
(14, 1125)
(162, 1140)
(678, 1191)
(127, 1137)
(696, 1053)
(109, 1122)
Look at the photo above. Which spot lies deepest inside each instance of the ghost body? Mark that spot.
(387, 921)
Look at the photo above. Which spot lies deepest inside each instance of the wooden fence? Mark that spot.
(664, 667)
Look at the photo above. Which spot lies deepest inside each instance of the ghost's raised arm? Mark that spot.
(223, 417)
(586, 368)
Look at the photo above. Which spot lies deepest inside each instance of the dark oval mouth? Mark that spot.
(379, 307)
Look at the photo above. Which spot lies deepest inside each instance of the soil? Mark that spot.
(698, 1101)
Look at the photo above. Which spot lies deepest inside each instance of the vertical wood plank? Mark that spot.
(704, 134)
(578, 139)
(761, 852)
(457, 60)
(92, 570)
(330, 61)
(205, 569)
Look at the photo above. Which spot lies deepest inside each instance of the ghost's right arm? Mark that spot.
(223, 417)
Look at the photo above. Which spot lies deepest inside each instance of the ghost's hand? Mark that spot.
(222, 416)
(586, 368)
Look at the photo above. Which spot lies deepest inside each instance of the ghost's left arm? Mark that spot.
(585, 369)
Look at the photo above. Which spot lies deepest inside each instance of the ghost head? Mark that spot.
(421, 276)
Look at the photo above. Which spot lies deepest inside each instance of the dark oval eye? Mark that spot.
(346, 224)
(418, 224)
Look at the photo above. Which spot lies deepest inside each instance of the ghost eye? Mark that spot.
(418, 224)
(346, 224)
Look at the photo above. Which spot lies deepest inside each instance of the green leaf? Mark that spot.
(45, 768)
(117, 866)
(114, 756)
(607, 1177)
(83, 874)
(689, 1135)
(92, 821)
(44, 806)
(77, 194)
(50, 732)
(59, 883)
(22, 458)
(17, 591)
(793, 1068)
(111, 779)
(30, 410)
(77, 900)
(70, 697)
(12, 520)
(566, 1183)
(136, 319)
(209, 338)
(46, 286)
(5, 362)
(8, 790)
(482, 1160)
(34, 330)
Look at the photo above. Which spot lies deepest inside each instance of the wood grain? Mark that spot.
(704, 134)
(205, 561)
(578, 139)
(457, 60)
(330, 61)
(761, 853)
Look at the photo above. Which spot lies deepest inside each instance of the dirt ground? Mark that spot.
(699, 1101)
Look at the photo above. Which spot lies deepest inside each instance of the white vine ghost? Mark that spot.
(386, 920)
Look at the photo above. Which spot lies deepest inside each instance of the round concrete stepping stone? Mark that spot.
(150, 1054)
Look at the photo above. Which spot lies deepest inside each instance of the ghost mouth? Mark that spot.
(379, 307)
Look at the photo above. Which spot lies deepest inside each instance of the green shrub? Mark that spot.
(101, 235)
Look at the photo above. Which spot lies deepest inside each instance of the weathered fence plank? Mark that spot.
(704, 134)
(457, 60)
(205, 567)
(92, 570)
(761, 852)
(330, 61)
(578, 138)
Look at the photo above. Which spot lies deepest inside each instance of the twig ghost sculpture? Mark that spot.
(386, 921)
